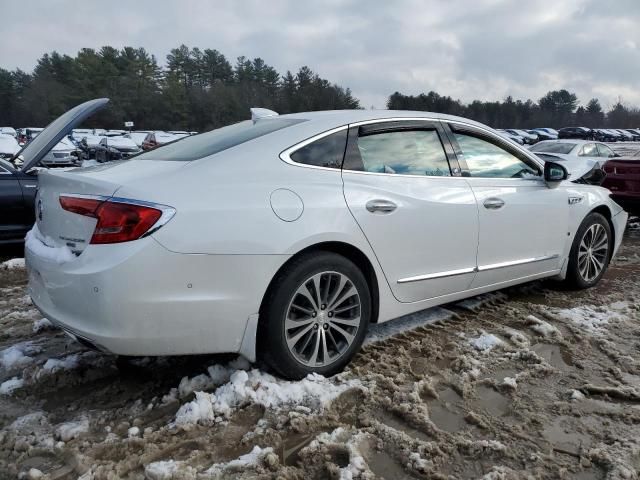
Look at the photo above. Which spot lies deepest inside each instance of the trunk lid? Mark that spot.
(62, 228)
(37, 148)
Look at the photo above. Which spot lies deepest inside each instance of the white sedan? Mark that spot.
(284, 237)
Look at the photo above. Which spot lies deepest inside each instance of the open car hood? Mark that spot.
(37, 148)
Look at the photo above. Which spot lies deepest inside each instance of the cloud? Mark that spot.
(468, 49)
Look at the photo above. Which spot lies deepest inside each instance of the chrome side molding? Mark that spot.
(480, 268)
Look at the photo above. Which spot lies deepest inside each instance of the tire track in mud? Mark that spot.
(534, 381)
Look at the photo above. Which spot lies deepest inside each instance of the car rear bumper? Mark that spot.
(138, 298)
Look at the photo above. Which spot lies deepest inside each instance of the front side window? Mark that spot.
(406, 152)
(486, 159)
(588, 150)
(325, 152)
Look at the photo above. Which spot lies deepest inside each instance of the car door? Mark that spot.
(523, 224)
(403, 186)
(11, 206)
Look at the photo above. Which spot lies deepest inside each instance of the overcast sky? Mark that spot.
(484, 49)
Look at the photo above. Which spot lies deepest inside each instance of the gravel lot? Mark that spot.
(529, 382)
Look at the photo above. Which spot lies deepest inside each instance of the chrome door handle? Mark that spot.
(382, 206)
(493, 203)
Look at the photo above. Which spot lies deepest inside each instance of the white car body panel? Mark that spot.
(531, 211)
(196, 284)
(398, 238)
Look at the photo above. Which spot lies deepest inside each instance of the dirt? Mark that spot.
(556, 396)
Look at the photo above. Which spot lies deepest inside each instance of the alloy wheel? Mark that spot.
(322, 319)
(593, 252)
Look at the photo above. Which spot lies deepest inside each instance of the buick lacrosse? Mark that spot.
(283, 237)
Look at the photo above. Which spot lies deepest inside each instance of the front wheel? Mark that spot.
(315, 317)
(590, 252)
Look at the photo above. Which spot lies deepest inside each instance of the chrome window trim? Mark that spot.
(285, 155)
(480, 268)
(167, 211)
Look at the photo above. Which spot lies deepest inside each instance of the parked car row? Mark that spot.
(88, 144)
(601, 134)
(532, 136)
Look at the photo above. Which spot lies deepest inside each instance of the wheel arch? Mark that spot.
(352, 253)
(605, 211)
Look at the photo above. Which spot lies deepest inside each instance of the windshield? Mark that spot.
(564, 148)
(215, 141)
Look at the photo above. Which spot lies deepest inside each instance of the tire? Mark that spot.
(334, 337)
(583, 272)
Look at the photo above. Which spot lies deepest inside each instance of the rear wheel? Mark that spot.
(315, 317)
(590, 252)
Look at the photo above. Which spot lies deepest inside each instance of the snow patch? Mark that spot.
(17, 355)
(254, 457)
(592, 318)
(70, 430)
(13, 264)
(67, 363)
(166, 470)
(44, 247)
(9, 386)
(577, 395)
(543, 328)
(485, 342)
(42, 325)
(254, 386)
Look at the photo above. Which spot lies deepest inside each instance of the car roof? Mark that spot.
(316, 122)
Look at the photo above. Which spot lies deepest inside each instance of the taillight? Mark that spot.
(117, 221)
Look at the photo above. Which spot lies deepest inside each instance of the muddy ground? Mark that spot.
(530, 382)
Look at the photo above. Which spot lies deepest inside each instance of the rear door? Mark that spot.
(403, 187)
(523, 223)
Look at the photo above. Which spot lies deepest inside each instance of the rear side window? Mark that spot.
(325, 152)
(404, 152)
(215, 141)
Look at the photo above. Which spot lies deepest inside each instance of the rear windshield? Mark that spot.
(564, 148)
(215, 141)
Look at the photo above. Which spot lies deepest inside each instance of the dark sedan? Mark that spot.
(115, 148)
(17, 194)
(623, 179)
(582, 133)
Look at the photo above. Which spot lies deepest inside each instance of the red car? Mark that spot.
(623, 179)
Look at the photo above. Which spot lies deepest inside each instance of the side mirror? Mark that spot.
(554, 173)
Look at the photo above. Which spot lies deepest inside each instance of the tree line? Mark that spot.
(196, 90)
(199, 90)
(556, 109)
